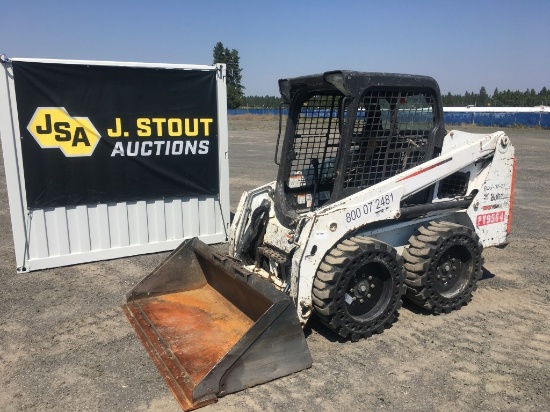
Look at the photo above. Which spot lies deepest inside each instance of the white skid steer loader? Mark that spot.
(373, 201)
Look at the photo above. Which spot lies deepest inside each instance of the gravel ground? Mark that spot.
(65, 344)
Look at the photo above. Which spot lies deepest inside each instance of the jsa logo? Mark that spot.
(53, 127)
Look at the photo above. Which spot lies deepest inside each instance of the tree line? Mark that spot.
(507, 98)
(262, 102)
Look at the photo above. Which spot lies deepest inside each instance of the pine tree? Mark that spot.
(544, 96)
(483, 98)
(235, 89)
(496, 98)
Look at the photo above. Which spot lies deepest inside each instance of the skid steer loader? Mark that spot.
(374, 201)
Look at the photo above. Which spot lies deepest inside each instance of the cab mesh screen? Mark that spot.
(390, 136)
(316, 141)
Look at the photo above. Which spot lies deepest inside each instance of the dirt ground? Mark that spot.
(65, 344)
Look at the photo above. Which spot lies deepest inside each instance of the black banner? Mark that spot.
(98, 134)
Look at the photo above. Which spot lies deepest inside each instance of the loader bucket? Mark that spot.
(212, 327)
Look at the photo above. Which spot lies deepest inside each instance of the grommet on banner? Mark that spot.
(4, 58)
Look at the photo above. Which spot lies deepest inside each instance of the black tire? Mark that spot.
(358, 287)
(443, 263)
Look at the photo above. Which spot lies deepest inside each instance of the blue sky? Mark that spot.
(463, 44)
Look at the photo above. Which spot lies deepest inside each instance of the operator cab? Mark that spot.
(347, 131)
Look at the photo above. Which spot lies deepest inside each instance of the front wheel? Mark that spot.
(358, 287)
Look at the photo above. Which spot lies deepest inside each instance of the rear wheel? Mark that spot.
(358, 287)
(443, 264)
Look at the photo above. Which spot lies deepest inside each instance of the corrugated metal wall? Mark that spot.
(64, 233)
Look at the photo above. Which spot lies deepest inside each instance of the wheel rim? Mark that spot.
(368, 291)
(453, 271)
